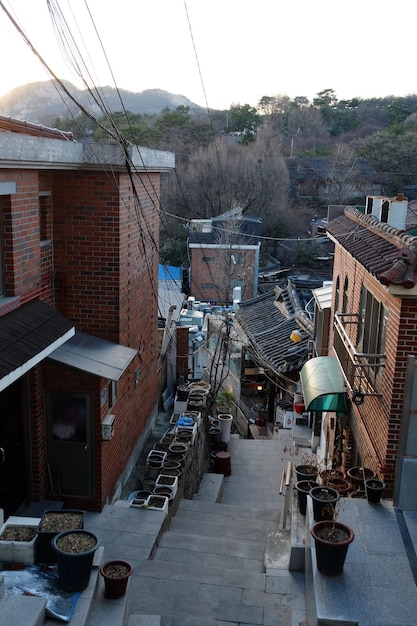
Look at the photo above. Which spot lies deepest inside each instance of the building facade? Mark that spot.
(78, 313)
(373, 336)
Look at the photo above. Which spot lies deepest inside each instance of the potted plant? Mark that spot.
(324, 501)
(357, 476)
(308, 468)
(116, 576)
(52, 523)
(303, 489)
(331, 540)
(374, 489)
(18, 541)
(75, 553)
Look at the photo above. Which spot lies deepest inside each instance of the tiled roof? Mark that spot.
(385, 252)
(27, 332)
(268, 322)
(19, 126)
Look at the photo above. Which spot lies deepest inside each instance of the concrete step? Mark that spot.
(183, 594)
(16, 610)
(243, 512)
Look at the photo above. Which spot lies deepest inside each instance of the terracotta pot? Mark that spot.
(116, 576)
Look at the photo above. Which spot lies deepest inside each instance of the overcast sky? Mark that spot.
(217, 52)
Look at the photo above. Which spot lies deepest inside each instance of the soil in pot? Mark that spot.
(116, 575)
(329, 475)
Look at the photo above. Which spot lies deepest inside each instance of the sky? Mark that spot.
(215, 52)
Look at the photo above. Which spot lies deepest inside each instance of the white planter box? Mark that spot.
(169, 482)
(19, 551)
(162, 500)
(188, 429)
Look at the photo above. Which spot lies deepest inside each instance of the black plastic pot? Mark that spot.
(303, 488)
(374, 489)
(74, 568)
(331, 554)
(44, 551)
(306, 472)
(324, 501)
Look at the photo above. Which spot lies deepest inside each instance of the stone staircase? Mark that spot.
(210, 568)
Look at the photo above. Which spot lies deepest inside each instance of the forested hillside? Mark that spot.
(253, 156)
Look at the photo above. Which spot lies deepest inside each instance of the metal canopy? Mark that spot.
(323, 385)
(95, 356)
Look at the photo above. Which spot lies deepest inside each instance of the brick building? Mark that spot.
(78, 313)
(373, 336)
(224, 254)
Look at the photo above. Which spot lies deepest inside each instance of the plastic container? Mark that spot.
(56, 521)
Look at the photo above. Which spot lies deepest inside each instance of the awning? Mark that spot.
(323, 385)
(28, 334)
(95, 356)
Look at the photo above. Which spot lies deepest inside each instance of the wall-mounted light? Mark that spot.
(295, 336)
(259, 387)
(358, 397)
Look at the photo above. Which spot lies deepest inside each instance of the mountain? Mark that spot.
(41, 102)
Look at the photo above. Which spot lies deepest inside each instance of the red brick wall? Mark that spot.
(21, 249)
(219, 272)
(376, 423)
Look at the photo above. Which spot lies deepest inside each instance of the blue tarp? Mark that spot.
(42, 581)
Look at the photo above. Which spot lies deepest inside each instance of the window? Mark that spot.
(45, 228)
(372, 330)
(208, 259)
(1, 250)
(112, 393)
(345, 295)
(337, 294)
(207, 286)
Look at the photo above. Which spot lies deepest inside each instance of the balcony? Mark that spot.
(362, 370)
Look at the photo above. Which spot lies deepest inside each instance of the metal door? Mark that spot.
(13, 476)
(70, 459)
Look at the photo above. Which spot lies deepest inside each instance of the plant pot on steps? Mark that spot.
(75, 551)
(306, 472)
(116, 577)
(52, 523)
(225, 423)
(358, 475)
(331, 540)
(374, 489)
(303, 489)
(324, 502)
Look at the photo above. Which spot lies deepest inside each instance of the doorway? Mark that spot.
(14, 477)
(70, 450)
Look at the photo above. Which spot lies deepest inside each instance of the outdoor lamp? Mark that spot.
(295, 336)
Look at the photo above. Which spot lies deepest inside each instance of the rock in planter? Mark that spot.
(52, 523)
(75, 553)
(18, 541)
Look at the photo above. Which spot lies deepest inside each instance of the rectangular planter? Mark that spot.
(188, 429)
(12, 551)
(171, 482)
(65, 519)
(161, 500)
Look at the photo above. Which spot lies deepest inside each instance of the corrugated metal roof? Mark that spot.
(95, 356)
(27, 336)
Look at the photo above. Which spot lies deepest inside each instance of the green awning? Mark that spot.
(323, 385)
